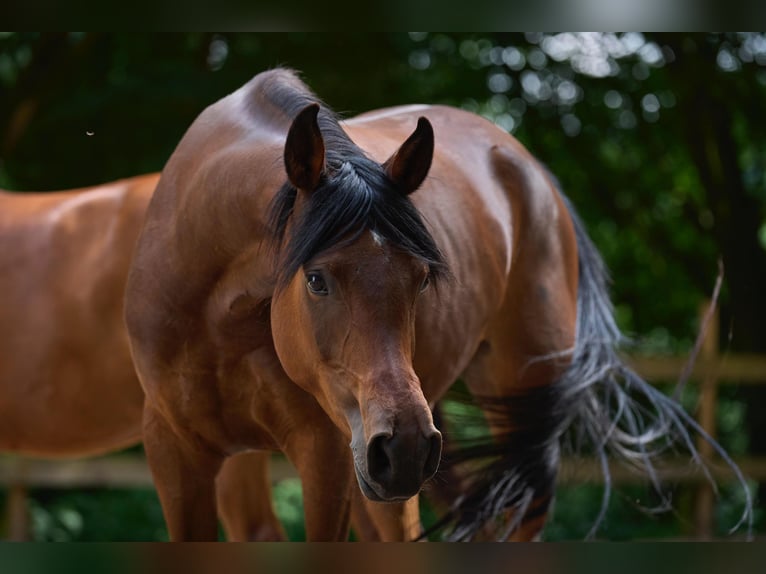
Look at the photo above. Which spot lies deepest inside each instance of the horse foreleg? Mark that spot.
(243, 487)
(184, 474)
(323, 461)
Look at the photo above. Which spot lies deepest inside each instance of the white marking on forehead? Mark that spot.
(377, 238)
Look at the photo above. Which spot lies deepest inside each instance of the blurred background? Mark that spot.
(659, 140)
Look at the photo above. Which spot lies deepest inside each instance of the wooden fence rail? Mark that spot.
(709, 371)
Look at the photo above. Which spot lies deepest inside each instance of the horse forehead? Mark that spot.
(373, 258)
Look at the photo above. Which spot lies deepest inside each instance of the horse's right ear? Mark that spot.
(304, 150)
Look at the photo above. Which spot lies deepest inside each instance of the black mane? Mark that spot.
(354, 195)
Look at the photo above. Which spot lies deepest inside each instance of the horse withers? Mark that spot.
(314, 285)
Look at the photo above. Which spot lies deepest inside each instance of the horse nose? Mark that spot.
(401, 463)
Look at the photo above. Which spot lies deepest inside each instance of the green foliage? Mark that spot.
(629, 515)
(288, 505)
(96, 515)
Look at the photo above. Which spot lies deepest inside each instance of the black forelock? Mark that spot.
(355, 197)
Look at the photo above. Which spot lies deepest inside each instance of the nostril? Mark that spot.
(378, 459)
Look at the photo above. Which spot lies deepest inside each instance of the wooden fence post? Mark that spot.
(706, 417)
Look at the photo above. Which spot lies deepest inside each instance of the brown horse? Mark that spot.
(67, 383)
(316, 286)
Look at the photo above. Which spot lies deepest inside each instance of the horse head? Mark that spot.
(354, 262)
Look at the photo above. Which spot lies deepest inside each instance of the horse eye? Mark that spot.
(316, 284)
(425, 284)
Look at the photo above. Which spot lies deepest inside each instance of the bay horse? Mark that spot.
(316, 286)
(67, 383)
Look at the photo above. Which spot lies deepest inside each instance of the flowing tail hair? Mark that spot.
(598, 403)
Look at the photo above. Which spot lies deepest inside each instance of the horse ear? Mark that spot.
(409, 165)
(304, 150)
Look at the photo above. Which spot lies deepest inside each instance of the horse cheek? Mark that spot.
(292, 341)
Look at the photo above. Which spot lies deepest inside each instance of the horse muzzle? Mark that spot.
(396, 464)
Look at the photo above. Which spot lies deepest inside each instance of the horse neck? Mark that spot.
(205, 222)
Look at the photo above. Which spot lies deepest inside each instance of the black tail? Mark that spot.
(599, 403)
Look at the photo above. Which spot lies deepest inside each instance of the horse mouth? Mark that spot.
(369, 490)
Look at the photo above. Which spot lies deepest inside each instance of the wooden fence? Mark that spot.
(710, 370)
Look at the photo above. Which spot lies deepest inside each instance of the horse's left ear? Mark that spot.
(409, 165)
(304, 150)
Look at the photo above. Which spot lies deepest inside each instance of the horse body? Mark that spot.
(64, 262)
(234, 352)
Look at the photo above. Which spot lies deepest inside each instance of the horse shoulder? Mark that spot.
(197, 292)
